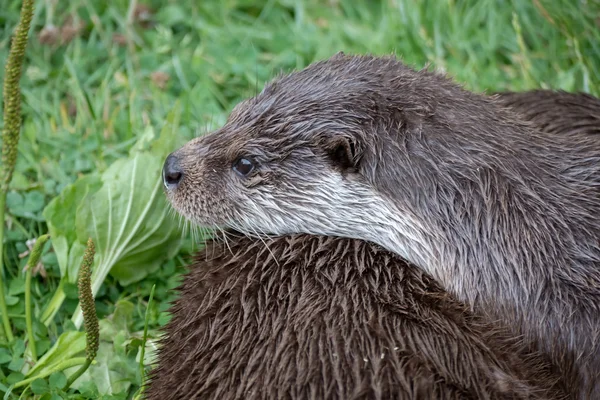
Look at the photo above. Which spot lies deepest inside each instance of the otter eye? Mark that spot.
(243, 166)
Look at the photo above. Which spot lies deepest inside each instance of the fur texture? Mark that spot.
(308, 317)
(505, 215)
(557, 112)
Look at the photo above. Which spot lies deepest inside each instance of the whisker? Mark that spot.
(194, 235)
(209, 236)
(225, 240)
(266, 246)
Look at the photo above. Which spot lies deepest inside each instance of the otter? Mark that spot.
(504, 215)
(315, 317)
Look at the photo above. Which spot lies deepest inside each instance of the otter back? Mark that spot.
(557, 112)
(308, 317)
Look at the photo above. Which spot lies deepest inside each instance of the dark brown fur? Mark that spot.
(557, 112)
(504, 214)
(308, 317)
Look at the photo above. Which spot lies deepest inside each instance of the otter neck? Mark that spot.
(515, 249)
(505, 252)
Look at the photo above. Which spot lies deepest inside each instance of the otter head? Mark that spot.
(261, 174)
(350, 146)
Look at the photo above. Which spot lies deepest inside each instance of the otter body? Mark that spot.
(308, 317)
(504, 215)
(556, 112)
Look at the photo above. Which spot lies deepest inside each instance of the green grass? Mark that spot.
(88, 100)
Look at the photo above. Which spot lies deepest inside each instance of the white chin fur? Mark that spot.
(353, 210)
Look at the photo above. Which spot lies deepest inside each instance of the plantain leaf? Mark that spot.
(60, 214)
(124, 211)
(68, 345)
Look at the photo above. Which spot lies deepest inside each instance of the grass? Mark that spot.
(98, 75)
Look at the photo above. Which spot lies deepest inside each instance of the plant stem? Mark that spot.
(36, 252)
(78, 373)
(73, 362)
(140, 392)
(7, 332)
(11, 131)
(88, 307)
(28, 317)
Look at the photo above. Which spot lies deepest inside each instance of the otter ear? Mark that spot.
(344, 152)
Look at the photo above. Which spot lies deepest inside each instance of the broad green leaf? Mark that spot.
(16, 363)
(27, 205)
(17, 286)
(11, 300)
(39, 386)
(160, 242)
(123, 315)
(54, 304)
(74, 260)
(5, 356)
(68, 345)
(57, 380)
(60, 214)
(18, 347)
(14, 377)
(128, 212)
(112, 373)
(34, 201)
(127, 217)
(14, 200)
(42, 345)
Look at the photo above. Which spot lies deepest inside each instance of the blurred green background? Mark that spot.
(99, 75)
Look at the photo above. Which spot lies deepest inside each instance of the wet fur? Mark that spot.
(557, 112)
(308, 317)
(504, 214)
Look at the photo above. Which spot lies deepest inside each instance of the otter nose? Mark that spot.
(172, 172)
